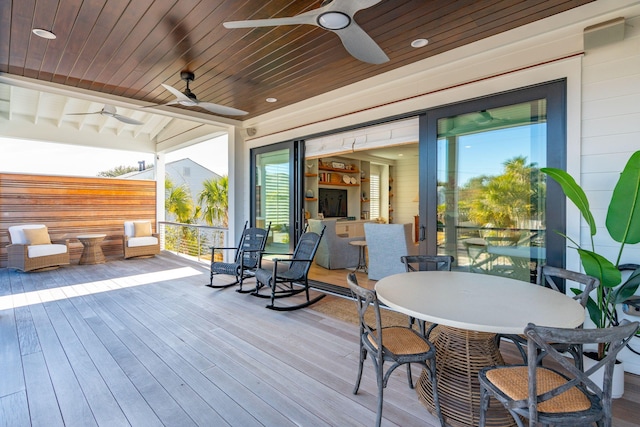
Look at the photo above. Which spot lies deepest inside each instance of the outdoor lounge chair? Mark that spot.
(139, 240)
(288, 277)
(31, 248)
(246, 257)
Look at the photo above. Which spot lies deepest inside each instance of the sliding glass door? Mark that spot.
(275, 183)
(485, 199)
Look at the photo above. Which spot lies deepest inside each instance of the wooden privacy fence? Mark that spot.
(70, 206)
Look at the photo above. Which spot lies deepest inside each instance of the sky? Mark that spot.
(23, 156)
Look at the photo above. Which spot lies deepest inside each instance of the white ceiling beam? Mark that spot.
(68, 135)
(55, 88)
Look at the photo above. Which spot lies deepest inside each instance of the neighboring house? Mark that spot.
(181, 172)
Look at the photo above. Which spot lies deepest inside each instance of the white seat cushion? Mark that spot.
(17, 234)
(35, 251)
(142, 241)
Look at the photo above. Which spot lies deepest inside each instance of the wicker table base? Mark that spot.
(460, 354)
(92, 251)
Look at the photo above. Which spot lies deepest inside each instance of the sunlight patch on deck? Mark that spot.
(63, 292)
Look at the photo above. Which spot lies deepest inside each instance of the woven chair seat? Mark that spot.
(230, 268)
(514, 382)
(400, 341)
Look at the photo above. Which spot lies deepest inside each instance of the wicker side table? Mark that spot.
(92, 251)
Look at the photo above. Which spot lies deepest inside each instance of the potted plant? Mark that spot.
(623, 225)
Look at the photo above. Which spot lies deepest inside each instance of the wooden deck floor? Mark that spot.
(144, 343)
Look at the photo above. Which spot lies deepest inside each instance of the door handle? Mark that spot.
(423, 233)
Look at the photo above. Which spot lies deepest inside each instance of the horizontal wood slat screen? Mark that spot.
(70, 206)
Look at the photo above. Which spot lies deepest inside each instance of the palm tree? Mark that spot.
(214, 198)
(508, 199)
(178, 202)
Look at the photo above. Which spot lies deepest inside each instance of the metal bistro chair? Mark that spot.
(426, 262)
(551, 276)
(288, 277)
(397, 344)
(552, 397)
(246, 260)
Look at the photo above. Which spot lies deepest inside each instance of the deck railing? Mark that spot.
(192, 239)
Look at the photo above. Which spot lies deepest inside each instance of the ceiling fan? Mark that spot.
(110, 111)
(188, 98)
(334, 16)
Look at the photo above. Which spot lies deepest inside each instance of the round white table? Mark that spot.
(470, 309)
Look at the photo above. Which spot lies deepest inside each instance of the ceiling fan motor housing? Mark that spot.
(187, 76)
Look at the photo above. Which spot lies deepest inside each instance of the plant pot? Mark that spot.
(617, 389)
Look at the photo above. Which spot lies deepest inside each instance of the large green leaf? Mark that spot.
(628, 288)
(623, 216)
(598, 266)
(573, 191)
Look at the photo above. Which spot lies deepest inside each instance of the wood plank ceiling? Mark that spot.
(128, 48)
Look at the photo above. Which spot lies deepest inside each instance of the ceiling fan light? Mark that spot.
(45, 34)
(334, 20)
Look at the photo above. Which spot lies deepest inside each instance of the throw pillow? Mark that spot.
(141, 229)
(37, 236)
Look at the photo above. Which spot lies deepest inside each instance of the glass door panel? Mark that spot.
(272, 197)
(490, 192)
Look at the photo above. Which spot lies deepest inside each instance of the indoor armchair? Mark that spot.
(334, 251)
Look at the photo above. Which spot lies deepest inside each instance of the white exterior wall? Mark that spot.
(610, 134)
(603, 108)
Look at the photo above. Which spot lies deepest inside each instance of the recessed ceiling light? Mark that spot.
(400, 155)
(271, 99)
(419, 43)
(45, 34)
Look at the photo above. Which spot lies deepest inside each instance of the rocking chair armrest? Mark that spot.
(276, 253)
(290, 260)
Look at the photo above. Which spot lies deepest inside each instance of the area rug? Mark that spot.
(345, 309)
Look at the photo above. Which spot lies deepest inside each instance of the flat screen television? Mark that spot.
(332, 202)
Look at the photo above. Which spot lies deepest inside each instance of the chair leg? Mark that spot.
(409, 375)
(363, 355)
(484, 406)
(434, 387)
(380, 381)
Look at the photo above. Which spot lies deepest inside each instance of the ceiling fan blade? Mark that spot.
(352, 6)
(82, 114)
(128, 120)
(303, 18)
(360, 45)
(221, 109)
(181, 96)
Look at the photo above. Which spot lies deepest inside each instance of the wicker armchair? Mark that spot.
(138, 240)
(33, 250)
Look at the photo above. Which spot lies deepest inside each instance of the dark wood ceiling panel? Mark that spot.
(128, 48)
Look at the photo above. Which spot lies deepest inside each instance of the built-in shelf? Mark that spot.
(310, 174)
(338, 184)
(326, 168)
(311, 199)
